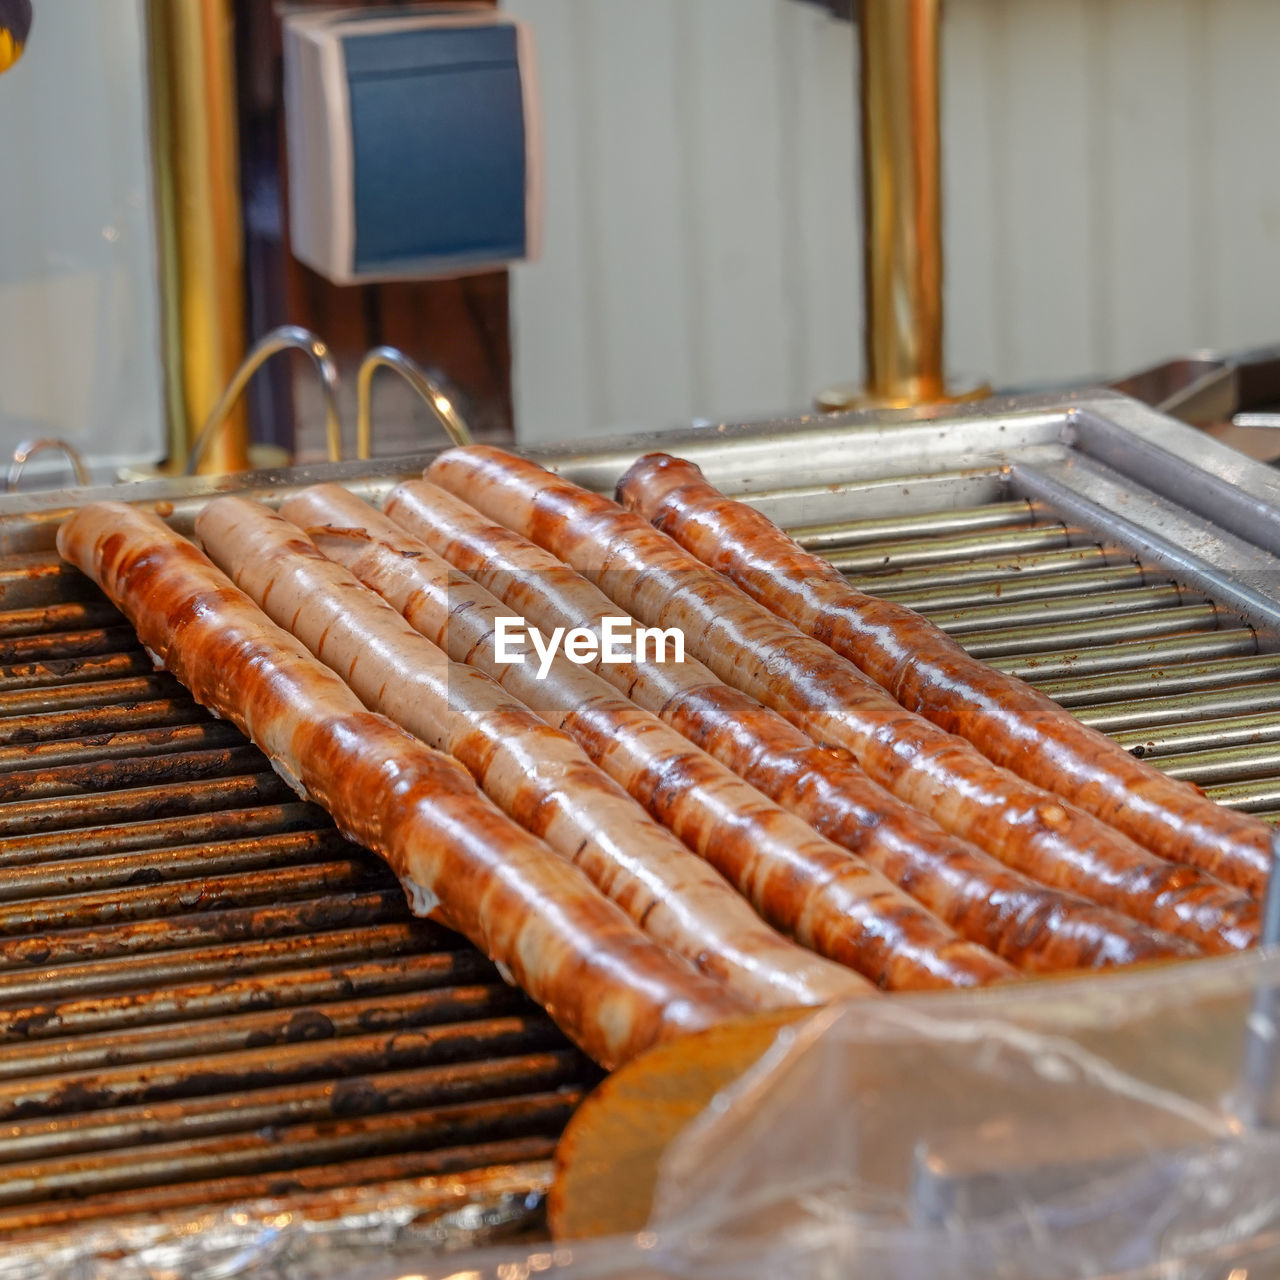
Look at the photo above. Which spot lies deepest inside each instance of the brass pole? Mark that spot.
(902, 202)
(902, 209)
(195, 155)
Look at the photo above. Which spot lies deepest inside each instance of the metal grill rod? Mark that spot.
(1161, 680)
(961, 547)
(204, 735)
(1021, 642)
(986, 570)
(265, 1108)
(1031, 586)
(185, 929)
(202, 828)
(1130, 655)
(839, 535)
(1012, 615)
(1180, 708)
(147, 970)
(1197, 735)
(236, 1070)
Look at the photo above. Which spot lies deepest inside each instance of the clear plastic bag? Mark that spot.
(1057, 1130)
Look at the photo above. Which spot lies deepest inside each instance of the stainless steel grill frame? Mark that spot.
(168, 905)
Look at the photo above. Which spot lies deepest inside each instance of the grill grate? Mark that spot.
(206, 993)
(1171, 675)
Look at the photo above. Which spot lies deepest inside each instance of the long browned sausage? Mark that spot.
(927, 671)
(797, 880)
(1035, 927)
(538, 775)
(612, 989)
(827, 696)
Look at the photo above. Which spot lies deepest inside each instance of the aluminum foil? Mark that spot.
(312, 1238)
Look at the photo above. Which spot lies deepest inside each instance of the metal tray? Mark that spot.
(1114, 466)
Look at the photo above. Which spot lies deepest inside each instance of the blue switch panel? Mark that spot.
(411, 139)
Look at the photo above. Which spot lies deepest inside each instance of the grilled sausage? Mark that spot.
(1034, 927)
(926, 671)
(828, 697)
(611, 988)
(797, 880)
(538, 775)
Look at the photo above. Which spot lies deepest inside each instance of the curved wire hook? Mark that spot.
(414, 374)
(25, 450)
(288, 337)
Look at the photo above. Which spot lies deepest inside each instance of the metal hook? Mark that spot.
(27, 448)
(289, 337)
(413, 373)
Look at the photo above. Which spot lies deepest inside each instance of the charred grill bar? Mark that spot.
(208, 996)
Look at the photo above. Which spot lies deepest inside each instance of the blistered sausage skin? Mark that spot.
(538, 775)
(800, 882)
(1036, 928)
(926, 671)
(611, 988)
(824, 694)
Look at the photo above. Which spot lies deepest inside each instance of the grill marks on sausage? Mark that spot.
(538, 775)
(830, 901)
(608, 986)
(1032, 926)
(798, 880)
(822, 693)
(928, 672)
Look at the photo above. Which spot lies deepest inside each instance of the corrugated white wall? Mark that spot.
(1112, 197)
